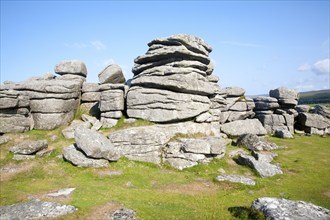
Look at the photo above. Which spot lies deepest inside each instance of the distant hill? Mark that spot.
(315, 97)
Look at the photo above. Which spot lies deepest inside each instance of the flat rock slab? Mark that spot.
(236, 179)
(281, 209)
(29, 147)
(35, 209)
(62, 192)
(237, 128)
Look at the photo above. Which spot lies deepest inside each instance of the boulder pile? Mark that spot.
(171, 82)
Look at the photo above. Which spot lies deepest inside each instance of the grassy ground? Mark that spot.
(161, 192)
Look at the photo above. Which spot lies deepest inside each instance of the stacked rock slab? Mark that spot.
(90, 97)
(112, 103)
(277, 112)
(112, 97)
(14, 112)
(171, 81)
(236, 106)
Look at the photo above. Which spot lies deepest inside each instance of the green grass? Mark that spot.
(160, 192)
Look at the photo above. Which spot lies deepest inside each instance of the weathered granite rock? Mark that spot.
(182, 80)
(45, 121)
(264, 168)
(112, 74)
(68, 132)
(283, 93)
(90, 87)
(53, 105)
(74, 67)
(23, 157)
(234, 91)
(303, 108)
(29, 147)
(14, 112)
(35, 209)
(236, 179)
(108, 122)
(313, 120)
(237, 128)
(95, 145)
(78, 158)
(163, 105)
(278, 208)
(4, 139)
(90, 96)
(137, 142)
(253, 142)
(123, 214)
(321, 110)
(283, 134)
(112, 100)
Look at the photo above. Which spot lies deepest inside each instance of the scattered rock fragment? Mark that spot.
(29, 147)
(236, 179)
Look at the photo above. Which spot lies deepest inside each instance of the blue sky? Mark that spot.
(257, 45)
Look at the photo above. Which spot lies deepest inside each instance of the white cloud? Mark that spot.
(76, 45)
(98, 45)
(241, 44)
(304, 67)
(321, 67)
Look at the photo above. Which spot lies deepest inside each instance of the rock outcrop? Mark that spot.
(277, 112)
(53, 101)
(146, 143)
(275, 208)
(315, 122)
(171, 81)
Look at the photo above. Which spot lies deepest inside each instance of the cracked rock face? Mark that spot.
(281, 209)
(35, 209)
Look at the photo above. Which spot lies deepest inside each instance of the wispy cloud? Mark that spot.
(321, 67)
(304, 67)
(97, 45)
(241, 44)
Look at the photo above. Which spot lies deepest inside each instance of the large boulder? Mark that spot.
(237, 128)
(78, 158)
(112, 74)
(255, 143)
(283, 93)
(322, 110)
(278, 208)
(74, 67)
(163, 105)
(313, 120)
(94, 144)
